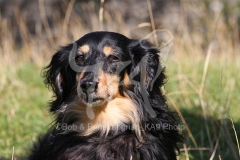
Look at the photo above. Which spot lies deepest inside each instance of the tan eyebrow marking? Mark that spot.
(84, 49)
(107, 50)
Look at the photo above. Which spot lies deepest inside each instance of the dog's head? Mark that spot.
(114, 75)
(103, 61)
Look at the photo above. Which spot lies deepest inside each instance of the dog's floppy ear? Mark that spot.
(60, 77)
(146, 61)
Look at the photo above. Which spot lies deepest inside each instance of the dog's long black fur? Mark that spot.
(158, 141)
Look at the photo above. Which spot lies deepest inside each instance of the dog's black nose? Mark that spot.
(89, 86)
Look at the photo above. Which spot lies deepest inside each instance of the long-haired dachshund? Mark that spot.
(108, 103)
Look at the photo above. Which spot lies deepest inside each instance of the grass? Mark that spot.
(203, 84)
(221, 87)
(209, 122)
(23, 102)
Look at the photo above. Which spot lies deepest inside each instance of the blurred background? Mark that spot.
(203, 64)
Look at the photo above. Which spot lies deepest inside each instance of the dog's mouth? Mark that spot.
(93, 100)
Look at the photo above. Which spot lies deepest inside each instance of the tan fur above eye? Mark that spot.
(84, 49)
(107, 50)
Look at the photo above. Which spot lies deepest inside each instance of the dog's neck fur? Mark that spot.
(111, 116)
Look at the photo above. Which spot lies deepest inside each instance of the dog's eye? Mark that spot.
(113, 58)
(80, 58)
